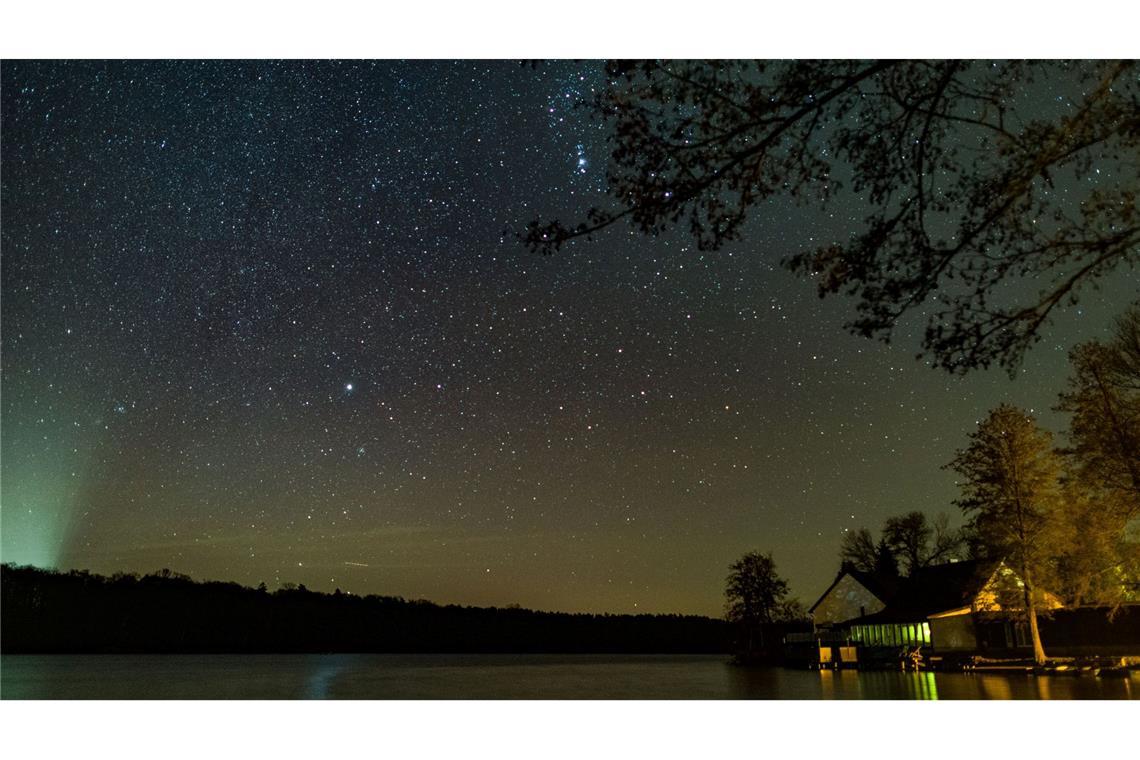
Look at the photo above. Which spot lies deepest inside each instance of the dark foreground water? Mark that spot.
(502, 677)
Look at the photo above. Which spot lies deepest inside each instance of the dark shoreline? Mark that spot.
(77, 612)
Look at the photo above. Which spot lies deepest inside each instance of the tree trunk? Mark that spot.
(1031, 612)
(1038, 650)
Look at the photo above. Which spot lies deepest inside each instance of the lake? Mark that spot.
(435, 676)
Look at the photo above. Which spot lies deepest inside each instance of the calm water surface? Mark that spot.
(368, 676)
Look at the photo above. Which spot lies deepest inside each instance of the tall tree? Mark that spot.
(1099, 564)
(755, 594)
(918, 542)
(974, 174)
(858, 549)
(911, 538)
(886, 563)
(1103, 402)
(1010, 483)
(908, 535)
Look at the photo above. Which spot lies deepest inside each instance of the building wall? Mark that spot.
(953, 633)
(848, 599)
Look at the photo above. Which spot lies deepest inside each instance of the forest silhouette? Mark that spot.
(46, 611)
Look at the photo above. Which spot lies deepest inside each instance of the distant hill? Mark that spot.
(46, 611)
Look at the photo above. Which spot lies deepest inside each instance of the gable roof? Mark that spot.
(942, 587)
(881, 588)
(935, 589)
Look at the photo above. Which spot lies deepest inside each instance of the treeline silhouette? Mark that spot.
(46, 611)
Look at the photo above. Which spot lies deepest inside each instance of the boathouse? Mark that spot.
(954, 609)
(941, 606)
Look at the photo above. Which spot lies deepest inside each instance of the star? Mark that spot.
(280, 236)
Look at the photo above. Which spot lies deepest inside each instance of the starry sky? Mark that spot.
(266, 321)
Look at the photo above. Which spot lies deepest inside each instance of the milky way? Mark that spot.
(268, 322)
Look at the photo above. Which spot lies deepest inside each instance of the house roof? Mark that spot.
(934, 589)
(881, 588)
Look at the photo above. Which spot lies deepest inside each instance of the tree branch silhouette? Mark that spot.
(966, 221)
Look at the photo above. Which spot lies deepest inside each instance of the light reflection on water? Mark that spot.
(504, 677)
(324, 673)
(851, 684)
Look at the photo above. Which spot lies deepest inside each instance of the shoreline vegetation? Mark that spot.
(79, 612)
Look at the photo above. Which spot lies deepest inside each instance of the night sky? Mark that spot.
(266, 322)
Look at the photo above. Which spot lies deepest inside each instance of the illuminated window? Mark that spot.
(926, 633)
